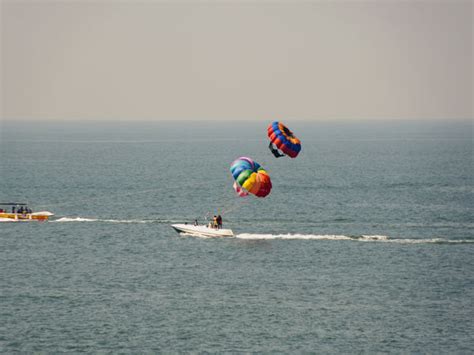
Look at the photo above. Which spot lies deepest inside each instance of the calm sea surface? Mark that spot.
(365, 243)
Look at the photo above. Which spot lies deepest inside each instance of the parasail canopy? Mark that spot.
(250, 177)
(284, 140)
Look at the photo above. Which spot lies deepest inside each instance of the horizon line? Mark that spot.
(196, 120)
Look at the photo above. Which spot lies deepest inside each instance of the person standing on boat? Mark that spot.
(219, 222)
(214, 222)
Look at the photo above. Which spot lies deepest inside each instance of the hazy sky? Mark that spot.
(236, 59)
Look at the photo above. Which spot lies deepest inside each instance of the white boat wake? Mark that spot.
(288, 236)
(361, 238)
(310, 237)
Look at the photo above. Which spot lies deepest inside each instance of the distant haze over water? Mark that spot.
(227, 60)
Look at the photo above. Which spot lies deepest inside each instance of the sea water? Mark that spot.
(365, 243)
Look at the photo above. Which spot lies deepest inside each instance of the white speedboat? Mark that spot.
(202, 231)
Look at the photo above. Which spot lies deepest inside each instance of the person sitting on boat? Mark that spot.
(13, 209)
(219, 222)
(214, 222)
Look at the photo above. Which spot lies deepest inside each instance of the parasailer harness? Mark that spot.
(275, 151)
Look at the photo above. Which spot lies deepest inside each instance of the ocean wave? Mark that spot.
(82, 219)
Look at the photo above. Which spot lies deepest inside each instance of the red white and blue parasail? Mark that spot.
(284, 140)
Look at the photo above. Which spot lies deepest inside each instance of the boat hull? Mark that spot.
(36, 216)
(202, 231)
